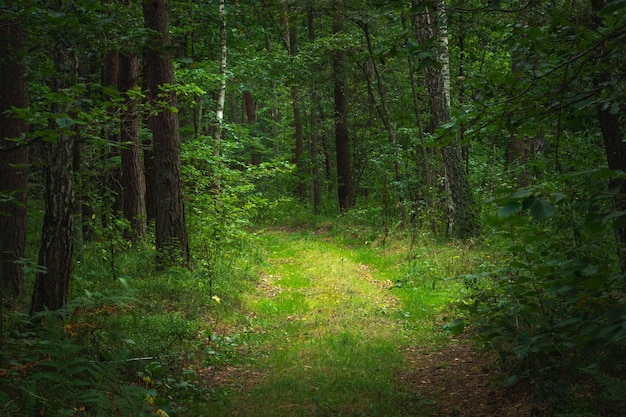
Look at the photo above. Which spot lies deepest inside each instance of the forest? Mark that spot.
(299, 207)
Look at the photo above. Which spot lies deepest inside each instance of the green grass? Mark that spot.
(300, 322)
(330, 319)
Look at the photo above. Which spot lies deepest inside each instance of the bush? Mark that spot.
(558, 309)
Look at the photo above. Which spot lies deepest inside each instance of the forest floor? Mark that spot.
(327, 333)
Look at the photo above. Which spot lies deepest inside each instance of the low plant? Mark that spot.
(49, 367)
(558, 308)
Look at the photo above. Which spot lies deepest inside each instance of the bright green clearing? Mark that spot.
(328, 323)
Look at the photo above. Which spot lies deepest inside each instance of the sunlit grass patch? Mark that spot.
(284, 303)
(348, 372)
(332, 327)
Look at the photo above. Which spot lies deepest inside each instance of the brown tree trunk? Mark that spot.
(132, 181)
(313, 110)
(298, 153)
(112, 182)
(13, 158)
(613, 136)
(55, 254)
(251, 107)
(170, 228)
(345, 189)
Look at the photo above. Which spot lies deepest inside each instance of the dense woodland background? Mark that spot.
(173, 128)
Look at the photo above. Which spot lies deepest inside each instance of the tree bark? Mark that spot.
(463, 220)
(221, 96)
(13, 158)
(55, 254)
(298, 152)
(345, 188)
(132, 181)
(172, 241)
(611, 125)
(314, 122)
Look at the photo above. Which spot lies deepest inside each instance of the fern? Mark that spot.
(8, 406)
(614, 389)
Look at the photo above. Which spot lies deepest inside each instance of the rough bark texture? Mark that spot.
(132, 180)
(345, 188)
(113, 175)
(55, 253)
(463, 221)
(13, 159)
(611, 125)
(170, 227)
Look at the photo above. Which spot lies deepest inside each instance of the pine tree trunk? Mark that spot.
(612, 135)
(13, 159)
(170, 228)
(313, 109)
(345, 189)
(132, 180)
(55, 254)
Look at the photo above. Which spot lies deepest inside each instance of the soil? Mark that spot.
(459, 382)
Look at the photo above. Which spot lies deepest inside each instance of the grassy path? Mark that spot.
(326, 332)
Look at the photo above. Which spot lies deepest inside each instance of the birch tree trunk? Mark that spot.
(221, 94)
(463, 219)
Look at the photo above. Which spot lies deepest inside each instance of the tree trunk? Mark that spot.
(463, 221)
(298, 153)
(221, 96)
(345, 189)
(251, 108)
(132, 181)
(13, 158)
(55, 254)
(612, 134)
(314, 125)
(170, 228)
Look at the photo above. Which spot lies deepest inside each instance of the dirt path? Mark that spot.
(328, 335)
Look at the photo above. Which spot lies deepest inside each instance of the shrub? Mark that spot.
(558, 309)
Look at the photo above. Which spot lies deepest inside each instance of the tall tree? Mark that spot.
(55, 253)
(298, 154)
(132, 180)
(345, 188)
(314, 120)
(221, 95)
(610, 120)
(430, 18)
(172, 241)
(13, 156)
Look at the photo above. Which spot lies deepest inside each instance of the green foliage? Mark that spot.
(559, 306)
(49, 369)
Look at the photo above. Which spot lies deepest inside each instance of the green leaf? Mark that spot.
(457, 326)
(64, 122)
(596, 222)
(541, 209)
(509, 209)
(521, 194)
(595, 283)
